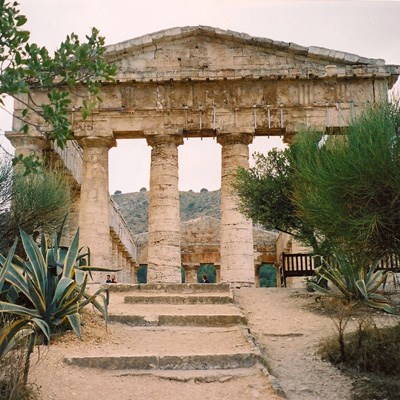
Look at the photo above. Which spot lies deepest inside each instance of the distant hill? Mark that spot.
(134, 207)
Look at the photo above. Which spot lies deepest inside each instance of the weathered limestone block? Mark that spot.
(164, 251)
(27, 145)
(94, 207)
(72, 223)
(237, 260)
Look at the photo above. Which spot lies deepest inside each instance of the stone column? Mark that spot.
(236, 234)
(94, 219)
(191, 273)
(257, 274)
(120, 275)
(217, 273)
(114, 252)
(135, 268)
(72, 223)
(164, 248)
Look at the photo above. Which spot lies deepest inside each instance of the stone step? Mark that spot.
(189, 298)
(195, 375)
(170, 287)
(216, 384)
(166, 362)
(166, 340)
(138, 314)
(118, 306)
(178, 320)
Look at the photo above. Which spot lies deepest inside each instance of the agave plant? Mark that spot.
(13, 331)
(356, 279)
(49, 288)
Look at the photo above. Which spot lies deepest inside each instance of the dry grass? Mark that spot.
(12, 383)
(93, 330)
(370, 354)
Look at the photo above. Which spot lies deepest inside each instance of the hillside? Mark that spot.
(134, 207)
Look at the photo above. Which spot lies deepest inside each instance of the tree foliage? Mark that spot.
(344, 194)
(26, 66)
(349, 189)
(36, 202)
(266, 196)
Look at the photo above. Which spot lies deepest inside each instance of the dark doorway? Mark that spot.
(209, 270)
(142, 273)
(267, 275)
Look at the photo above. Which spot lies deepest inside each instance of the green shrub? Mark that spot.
(348, 188)
(37, 203)
(354, 277)
(267, 274)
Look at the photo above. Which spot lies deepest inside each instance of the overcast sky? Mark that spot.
(367, 28)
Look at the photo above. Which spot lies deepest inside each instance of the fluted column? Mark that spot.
(94, 219)
(191, 273)
(257, 274)
(72, 223)
(135, 268)
(114, 252)
(236, 234)
(217, 273)
(164, 248)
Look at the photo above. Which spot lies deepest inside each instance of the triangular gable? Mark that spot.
(211, 53)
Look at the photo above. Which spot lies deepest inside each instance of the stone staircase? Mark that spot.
(186, 333)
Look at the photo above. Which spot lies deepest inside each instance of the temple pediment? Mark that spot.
(206, 53)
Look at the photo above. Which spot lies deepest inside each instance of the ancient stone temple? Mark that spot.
(207, 82)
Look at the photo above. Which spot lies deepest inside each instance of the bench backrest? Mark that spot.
(300, 264)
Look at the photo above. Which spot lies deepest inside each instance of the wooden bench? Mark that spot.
(295, 265)
(300, 264)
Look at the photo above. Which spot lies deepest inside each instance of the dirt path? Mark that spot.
(281, 322)
(290, 336)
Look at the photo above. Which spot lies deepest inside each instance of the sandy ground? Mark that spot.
(290, 334)
(282, 322)
(289, 324)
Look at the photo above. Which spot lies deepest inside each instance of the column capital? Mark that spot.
(226, 138)
(96, 141)
(156, 140)
(23, 140)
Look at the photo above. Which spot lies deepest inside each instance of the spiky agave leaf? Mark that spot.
(36, 265)
(92, 268)
(12, 333)
(6, 265)
(104, 294)
(380, 306)
(70, 258)
(35, 277)
(355, 282)
(75, 322)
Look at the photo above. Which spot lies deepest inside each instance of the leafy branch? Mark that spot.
(26, 67)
